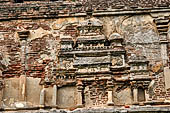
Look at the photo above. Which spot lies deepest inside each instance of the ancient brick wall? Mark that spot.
(43, 51)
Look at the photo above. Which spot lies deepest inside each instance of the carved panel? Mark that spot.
(97, 93)
(90, 27)
(67, 97)
(92, 60)
(117, 61)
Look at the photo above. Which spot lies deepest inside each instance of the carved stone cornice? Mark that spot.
(81, 8)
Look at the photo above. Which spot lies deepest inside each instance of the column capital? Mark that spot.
(110, 85)
(23, 35)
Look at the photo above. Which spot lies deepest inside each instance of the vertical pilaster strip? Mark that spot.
(42, 98)
(23, 35)
(54, 99)
(135, 95)
(80, 91)
(110, 93)
(147, 95)
(22, 88)
(164, 51)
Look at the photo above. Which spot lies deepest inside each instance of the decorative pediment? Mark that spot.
(90, 27)
(116, 39)
(115, 36)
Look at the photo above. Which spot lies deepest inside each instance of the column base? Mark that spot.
(110, 104)
(135, 103)
(54, 107)
(79, 106)
(141, 104)
(41, 106)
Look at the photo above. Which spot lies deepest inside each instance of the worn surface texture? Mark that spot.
(84, 54)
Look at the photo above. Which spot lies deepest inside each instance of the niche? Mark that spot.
(141, 94)
(107, 43)
(67, 97)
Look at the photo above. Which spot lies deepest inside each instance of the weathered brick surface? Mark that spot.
(43, 44)
(56, 9)
(52, 26)
(10, 46)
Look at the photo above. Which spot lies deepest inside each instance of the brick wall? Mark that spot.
(59, 8)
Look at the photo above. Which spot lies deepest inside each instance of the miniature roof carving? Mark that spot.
(115, 36)
(91, 22)
(90, 28)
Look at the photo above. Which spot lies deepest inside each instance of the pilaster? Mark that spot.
(110, 93)
(54, 98)
(80, 91)
(42, 98)
(23, 35)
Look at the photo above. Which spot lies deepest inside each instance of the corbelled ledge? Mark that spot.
(14, 11)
